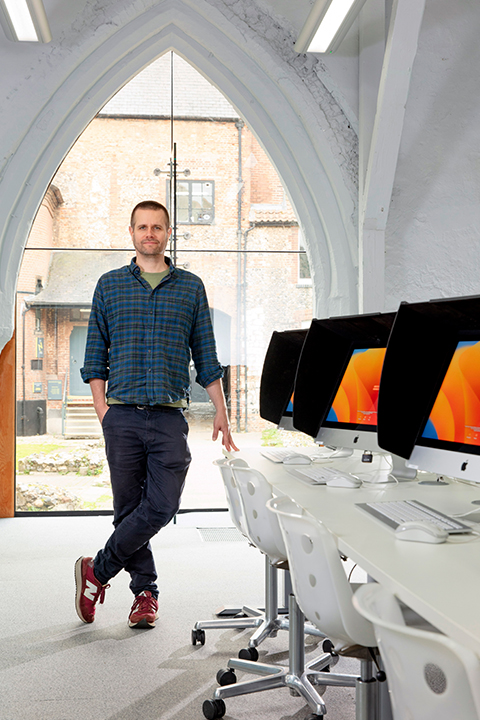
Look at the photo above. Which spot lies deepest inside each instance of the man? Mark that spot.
(147, 320)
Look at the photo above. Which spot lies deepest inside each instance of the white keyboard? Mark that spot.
(394, 512)
(315, 475)
(279, 454)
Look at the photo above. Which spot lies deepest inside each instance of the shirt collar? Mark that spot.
(135, 270)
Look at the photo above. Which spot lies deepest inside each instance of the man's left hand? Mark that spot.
(221, 425)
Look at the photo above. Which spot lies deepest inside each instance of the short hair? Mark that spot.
(149, 205)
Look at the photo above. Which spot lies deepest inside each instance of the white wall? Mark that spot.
(433, 233)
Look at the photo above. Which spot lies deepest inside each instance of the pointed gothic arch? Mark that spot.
(266, 92)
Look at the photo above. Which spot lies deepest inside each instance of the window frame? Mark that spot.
(190, 184)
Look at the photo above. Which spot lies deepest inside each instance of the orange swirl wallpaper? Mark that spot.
(357, 397)
(455, 416)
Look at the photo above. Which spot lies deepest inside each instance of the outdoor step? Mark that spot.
(81, 421)
(80, 416)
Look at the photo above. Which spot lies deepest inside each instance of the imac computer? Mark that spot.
(351, 422)
(278, 377)
(429, 401)
(449, 441)
(337, 388)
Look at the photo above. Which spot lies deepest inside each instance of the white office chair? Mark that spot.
(264, 532)
(430, 676)
(324, 594)
(268, 622)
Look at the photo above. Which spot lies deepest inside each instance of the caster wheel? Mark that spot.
(198, 636)
(226, 677)
(327, 646)
(213, 709)
(314, 717)
(248, 654)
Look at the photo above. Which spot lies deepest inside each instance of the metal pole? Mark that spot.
(239, 125)
(174, 203)
(24, 312)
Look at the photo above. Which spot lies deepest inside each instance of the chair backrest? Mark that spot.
(231, 491)
(320, 584)
(430, 676)
(262, 527)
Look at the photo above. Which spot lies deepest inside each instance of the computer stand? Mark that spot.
(334, 453)
(389, 469)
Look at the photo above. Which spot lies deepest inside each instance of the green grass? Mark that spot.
(96, 504)
(272, 437)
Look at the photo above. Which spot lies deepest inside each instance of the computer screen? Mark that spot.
(278, 377)
(356, 400)
(351, 421)
(449, 442)
(286, 421)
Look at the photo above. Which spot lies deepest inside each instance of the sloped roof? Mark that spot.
(72, 276)
(149, 94)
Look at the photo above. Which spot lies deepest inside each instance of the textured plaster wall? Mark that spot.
(433, 234)
(50, 93)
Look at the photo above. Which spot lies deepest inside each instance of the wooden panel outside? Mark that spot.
(7, 429)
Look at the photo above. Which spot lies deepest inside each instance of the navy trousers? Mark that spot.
(148, 456)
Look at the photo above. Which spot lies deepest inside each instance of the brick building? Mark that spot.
(235, 228)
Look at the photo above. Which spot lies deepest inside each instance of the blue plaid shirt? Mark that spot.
(141, 340)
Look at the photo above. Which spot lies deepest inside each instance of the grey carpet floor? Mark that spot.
(54, 667)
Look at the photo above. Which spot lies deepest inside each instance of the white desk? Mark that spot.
(440, 582)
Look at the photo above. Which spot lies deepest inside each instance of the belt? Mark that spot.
(161, 408)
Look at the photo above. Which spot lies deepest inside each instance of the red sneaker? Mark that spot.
(88, 589)
(144, 610)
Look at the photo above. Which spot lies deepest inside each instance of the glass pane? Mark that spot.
(250, 296)
(61, 462)
(182, 214)
(60, 448)
(196, 209)
(182, 208)
(85, 215)
(182, 188)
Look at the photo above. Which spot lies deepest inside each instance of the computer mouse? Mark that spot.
(297, 459)
(344, 481)
(421, 531)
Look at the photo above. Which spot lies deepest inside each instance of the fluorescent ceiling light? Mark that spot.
(24, 20)
(327, 24)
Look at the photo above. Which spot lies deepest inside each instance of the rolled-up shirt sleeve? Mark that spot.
(202, 343)
(98, 340)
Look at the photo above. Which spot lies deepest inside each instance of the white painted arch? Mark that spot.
(266, 91)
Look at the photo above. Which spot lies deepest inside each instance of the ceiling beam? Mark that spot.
(401, 48)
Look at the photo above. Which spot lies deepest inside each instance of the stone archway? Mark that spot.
(266, 92)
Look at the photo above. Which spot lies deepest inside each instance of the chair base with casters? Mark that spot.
(307, 680)
(267, 623)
